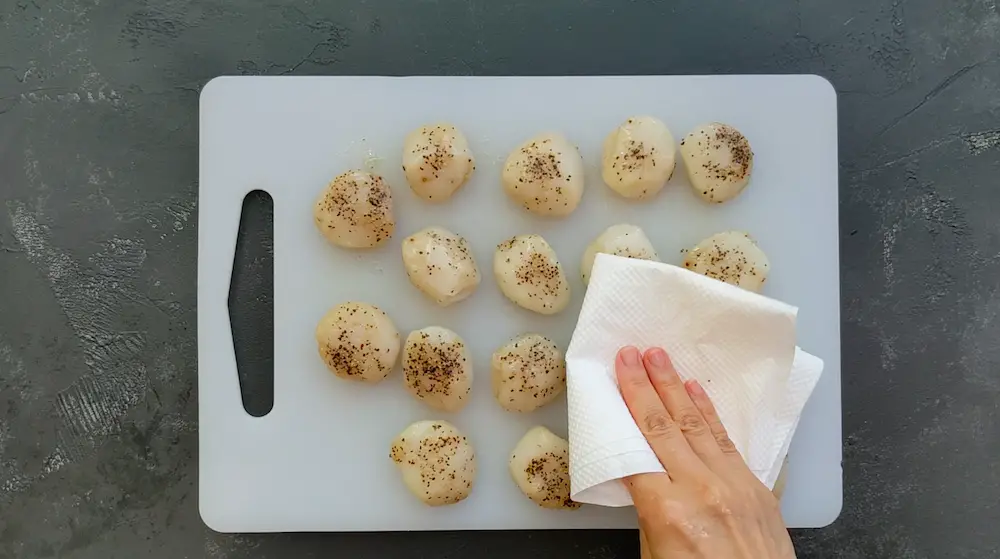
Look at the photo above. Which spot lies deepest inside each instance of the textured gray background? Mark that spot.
(98, 170)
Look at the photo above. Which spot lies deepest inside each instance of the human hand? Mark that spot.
(708, 505)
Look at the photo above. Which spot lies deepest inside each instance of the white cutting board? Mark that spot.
(320, 460)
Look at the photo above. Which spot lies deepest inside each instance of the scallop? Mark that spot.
(530, 275)
(719, 160)
(437, 368)
(732, 257)
(436, 460)
(620, 240)
(440, 264)
(638, 157)
(528, 372)
(437, 161)
(544, 175)
(358, 341)
(355, 211)
(539, 465)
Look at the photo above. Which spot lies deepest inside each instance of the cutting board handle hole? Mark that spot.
(251, 303)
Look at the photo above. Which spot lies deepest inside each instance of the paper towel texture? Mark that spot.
(739, 345)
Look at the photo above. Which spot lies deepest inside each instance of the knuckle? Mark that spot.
(713, 497)
(716, 499)
(725, 443)
(657, 423)
(692, 424)
(637, 379)
(710, 414)
(669, 379)
(674, 512)
(664, 512)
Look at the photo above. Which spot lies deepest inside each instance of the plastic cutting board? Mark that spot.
(319, 461)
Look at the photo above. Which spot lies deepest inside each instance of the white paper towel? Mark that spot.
(739, 345)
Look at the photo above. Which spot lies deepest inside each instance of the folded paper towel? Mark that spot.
(739, 345)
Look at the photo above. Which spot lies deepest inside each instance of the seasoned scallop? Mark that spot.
(528, 372)
(358, 341)
(544, 175)
(436, 460)
(437, 161)
(437, 368)
(539, 465)
(355, 211)
(719, 161)
(530, 275)
(440, 264)
(732, 257)
(638, 157)
(620, 240)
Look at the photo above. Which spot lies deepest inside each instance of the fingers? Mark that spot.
(650, 414)
(689, 419)
(707, 409)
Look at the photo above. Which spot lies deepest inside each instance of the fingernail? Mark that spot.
(694, 388)
(630, 356)
(657, 357)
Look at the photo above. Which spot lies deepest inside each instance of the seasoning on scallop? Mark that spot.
(539, 466)
(358, 341)
(437, 161)
(355, 211)
(718, 160)
(437, 368)
(436, 460)
(624, 240)
(544, 175)
(638, 157)
(527, 373)
(529, 274)
(440, 264)
(732, 257)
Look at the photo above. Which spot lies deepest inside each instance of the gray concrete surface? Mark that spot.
(98, 171)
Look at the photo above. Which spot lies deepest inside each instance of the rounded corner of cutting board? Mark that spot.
(822, 84)
(824, 509)
(214, 517)
(214, 88)
(829, 516)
